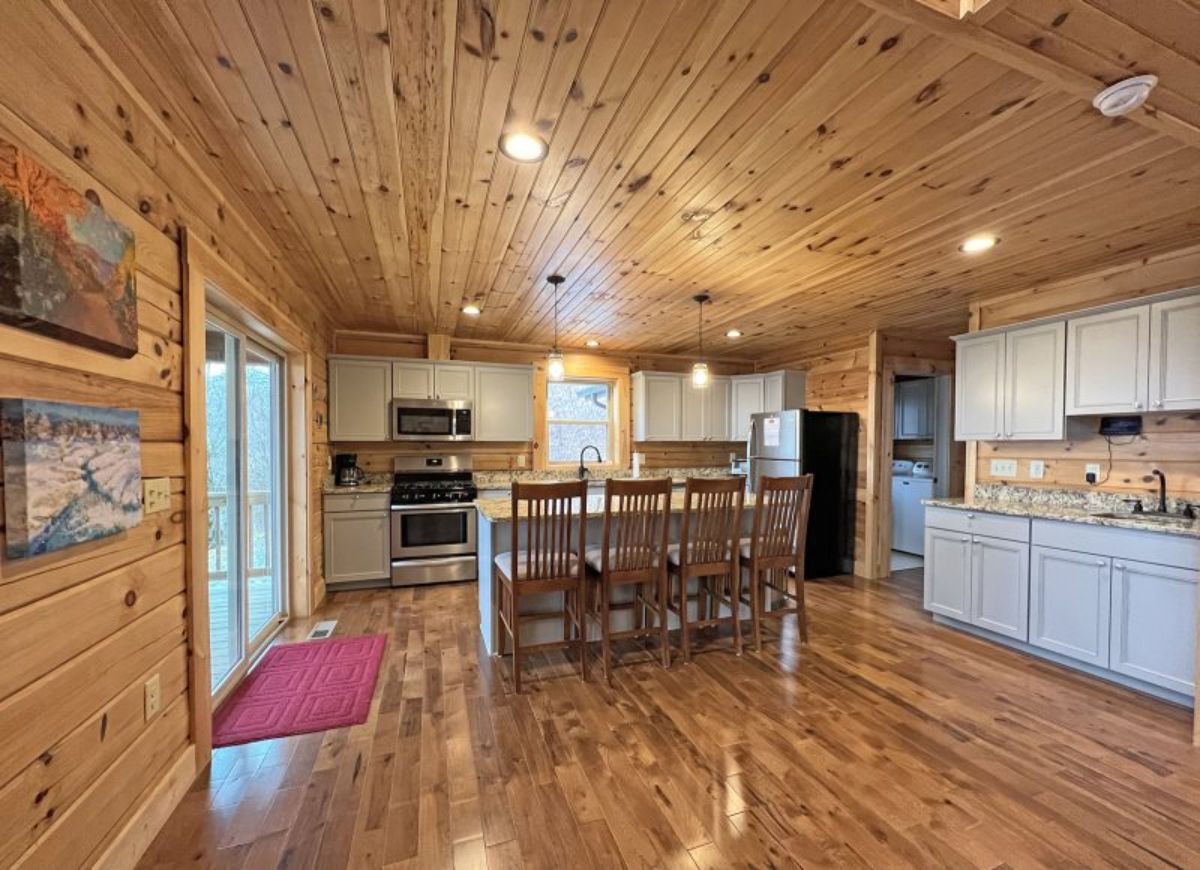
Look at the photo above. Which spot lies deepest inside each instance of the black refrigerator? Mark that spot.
(825, 445)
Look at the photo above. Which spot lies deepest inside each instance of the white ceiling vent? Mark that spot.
(1125, 96)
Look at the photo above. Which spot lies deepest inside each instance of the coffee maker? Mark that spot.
(345, 469)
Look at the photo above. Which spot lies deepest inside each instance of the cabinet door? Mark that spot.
(747, 399)
(1175, 354)
(1069, 604)
(357, 546)
(1000, 586)
(717, 410)
(914, 418)
(1153, 635)
(979, 388)
(692, 412)
(412, 380)
(504, 403)
(358, 399)
(773, 392)
(1107, 359)
(948, 573)
(1033, 382)
(661, 409)
(454, 382)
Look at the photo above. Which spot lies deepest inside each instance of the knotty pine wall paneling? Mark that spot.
(1169, 441)
(81, 630)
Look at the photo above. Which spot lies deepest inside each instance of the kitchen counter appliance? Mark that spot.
(433, 520)
(346, 471)
(825, 444)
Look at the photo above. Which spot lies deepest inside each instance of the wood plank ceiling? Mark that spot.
(813, 165)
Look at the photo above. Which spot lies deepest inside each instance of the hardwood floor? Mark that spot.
(888, 741)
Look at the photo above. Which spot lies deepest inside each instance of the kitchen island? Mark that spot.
(494, 536)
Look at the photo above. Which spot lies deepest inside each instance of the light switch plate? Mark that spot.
(153, 697)
(1004, 468)
(156, 494)
(520, 460)
(1037, 469)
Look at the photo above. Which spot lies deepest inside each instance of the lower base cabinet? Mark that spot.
(948, 573)
(1000, 586)
(357, 538)
(1069, 604)
(1153, 635)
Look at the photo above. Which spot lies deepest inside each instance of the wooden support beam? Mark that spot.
(876, 513)
(437, 346)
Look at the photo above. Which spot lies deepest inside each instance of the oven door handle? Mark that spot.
(460, 507)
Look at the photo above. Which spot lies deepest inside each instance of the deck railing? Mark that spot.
(261, 548)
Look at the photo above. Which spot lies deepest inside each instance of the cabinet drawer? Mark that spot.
(365, 501)
(1160, 548)
(978, 523)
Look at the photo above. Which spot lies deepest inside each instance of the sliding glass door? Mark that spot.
(246, 577)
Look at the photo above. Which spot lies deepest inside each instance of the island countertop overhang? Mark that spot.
(499, 510)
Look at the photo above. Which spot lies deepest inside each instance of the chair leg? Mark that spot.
(684, 642)
(735, 611)
(664, 639)
(581, 630)
(606, 634)
(801, 609)
(516, 629)
(756, 604)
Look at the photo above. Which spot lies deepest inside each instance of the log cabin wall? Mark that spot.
(1170, 441)
(84, 778)
(497, 456)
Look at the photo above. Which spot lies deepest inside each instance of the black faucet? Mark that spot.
(1162, 490)
(583, 468)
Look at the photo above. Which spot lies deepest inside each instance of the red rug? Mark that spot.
(302, 687)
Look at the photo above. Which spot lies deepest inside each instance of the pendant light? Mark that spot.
(700, 368)
(556, 370)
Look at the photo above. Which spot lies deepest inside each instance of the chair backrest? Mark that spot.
(554, 513)
(780, 523)
(712, 512)
(636, 516)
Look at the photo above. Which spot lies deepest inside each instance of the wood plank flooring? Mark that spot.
(888, 741)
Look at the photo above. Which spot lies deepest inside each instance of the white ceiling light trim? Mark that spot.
(1124, 96)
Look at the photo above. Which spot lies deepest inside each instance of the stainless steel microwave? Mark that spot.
(431, 420)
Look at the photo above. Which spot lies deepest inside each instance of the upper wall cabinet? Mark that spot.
(359, 390)
(504, 403)
(1108, 362)
(749, 397)
(1175, 354)
(1009, 385)
(705, 410)
(657, 407)
(915, 411)
(429, 380)
(783, 390)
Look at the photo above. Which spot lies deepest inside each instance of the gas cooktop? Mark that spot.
(432, 480)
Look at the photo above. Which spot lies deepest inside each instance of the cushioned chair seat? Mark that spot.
(673, 554)
(504, 562)
(592, 557)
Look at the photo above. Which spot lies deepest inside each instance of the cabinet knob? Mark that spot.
(1158, 403)
(970, 516)
(976, 540)
(1137, 404)
(1100, 563)
(965, 538)
(1120, 566)
(999, 435)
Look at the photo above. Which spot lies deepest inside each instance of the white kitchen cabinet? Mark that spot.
(948, 573)
(359, 390)
(693, 421)
(1175, 354)
(748, 398)
(914, 409)
(657, 406)
(412, 380)
(1000, 586)
(454, 381)
(979, 388)
(357, 546)
(718, 410)
(1069, 604)
(1153, 630)
(1033, 382)
(504, 403)
(705, 411)
(783, 390)
(1108, 358)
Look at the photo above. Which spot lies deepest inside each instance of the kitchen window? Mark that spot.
(579, 413)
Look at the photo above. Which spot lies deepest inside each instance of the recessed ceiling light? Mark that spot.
(471, 308)
(523, 147)
(733, 333)
(978, 244)
(1124, 96)
(591, 342)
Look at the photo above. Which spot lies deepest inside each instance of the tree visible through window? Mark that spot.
(578, 413)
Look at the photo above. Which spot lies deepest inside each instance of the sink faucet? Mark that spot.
(583, 473)
(1162, 490)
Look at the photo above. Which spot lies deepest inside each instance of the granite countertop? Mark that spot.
(1070, 513)
(500, 509)
(373, 483)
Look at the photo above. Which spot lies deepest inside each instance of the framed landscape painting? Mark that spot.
(66, 268)
(72, 473)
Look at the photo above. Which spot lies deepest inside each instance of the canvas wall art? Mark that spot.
(72, 473)
(66, 268)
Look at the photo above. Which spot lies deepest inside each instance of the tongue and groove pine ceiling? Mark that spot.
(812, 165)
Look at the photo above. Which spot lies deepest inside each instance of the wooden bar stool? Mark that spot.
(775, 550)
(632, 554)
(708, 551)
(548, 563)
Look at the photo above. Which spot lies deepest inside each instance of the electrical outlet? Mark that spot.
(1091, 472)
(153, 697)
(156, 494)
(520, 460)
(1037, 469)
(1004, 468)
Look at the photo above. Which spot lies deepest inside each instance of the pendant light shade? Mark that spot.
(556, 369)
(700, 378)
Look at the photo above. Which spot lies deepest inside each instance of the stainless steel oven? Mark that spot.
(432, 544)
(431, 420)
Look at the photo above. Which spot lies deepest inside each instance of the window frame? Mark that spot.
(612, 423)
